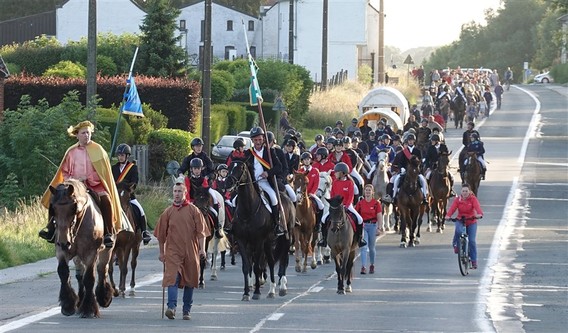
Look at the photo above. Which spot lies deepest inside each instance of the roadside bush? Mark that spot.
(236, 116)
(66, 69)
(35, 56)
(222, 86)
(252, 119)
(219, 125)
(164, 145)
(560, 73)
(106, 66)
(107, 119)
(365, 74)
(142, 126)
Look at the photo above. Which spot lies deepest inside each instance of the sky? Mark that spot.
(416, 23)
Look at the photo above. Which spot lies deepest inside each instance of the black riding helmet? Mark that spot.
(435, 137)
(196, 163)
(319, 137)
(322, 151)
(346, 140)
(256, 131)
(305, 155)
(341, 167)
(123, 148)
(196, 141)
(270, 136)
(222, 166)
(239, 142)
(330, 140)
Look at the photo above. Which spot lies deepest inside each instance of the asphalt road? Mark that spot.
(520, 286)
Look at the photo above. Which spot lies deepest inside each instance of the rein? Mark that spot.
(336, 227)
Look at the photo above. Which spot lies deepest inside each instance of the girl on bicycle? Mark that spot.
(467, 206)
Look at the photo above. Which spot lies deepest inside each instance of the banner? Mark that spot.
(132, 104)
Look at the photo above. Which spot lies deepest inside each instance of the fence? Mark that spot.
(140, 154)
(335, 80)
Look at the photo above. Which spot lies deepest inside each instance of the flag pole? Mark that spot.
(255, 89)
(122, 104)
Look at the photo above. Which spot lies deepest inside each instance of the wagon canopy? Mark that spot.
(387, 102)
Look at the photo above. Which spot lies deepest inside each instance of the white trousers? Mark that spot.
(265, 186)
(422, 185)
(351, 209)
(291, 193)
(318, 201)
(480, 159)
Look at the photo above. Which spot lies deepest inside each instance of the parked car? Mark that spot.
(244, 133)
(221, 150)
(543, 78)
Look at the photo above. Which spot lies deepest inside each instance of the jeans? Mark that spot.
(471, 234)
(173, 295)
(370, 235)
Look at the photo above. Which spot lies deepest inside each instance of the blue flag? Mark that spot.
(132, 104)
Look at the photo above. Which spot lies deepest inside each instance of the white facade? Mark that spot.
(115, 16)
(226, 30)
(352, 34)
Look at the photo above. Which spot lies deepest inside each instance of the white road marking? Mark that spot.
(275, 316)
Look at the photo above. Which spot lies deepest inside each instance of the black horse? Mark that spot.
(254, 233)
(458, 106)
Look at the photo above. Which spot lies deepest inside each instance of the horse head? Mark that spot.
(324, 187)
(443, 161)
(382, 161)
(238, 174)
(337, 215)
(202, 198)
(68, 201)
(300, 183)
(125, 191)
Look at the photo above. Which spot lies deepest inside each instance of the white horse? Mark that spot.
(380, 182)
(324, 191)
(216, 245)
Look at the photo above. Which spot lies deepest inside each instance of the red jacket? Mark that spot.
(313, 179)
(327, 166)
(344, 188)
(468, 207)
(344, 158)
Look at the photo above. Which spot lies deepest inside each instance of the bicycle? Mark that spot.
(464, 260)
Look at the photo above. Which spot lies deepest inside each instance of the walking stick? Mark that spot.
(163, 289)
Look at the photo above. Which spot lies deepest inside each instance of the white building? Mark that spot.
(227, 33)
(114, 16)
(352, 34)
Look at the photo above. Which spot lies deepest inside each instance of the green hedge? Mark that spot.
(236, 116)
(252, 119)
(107, 118)
(219, 125)
(165, 145)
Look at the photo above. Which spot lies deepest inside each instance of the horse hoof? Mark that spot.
(439, 230)
(122, 294)
(327, 261)
(305, 269)
(403, 245)
(282, 292)
(348, 289)
(443, 227)
(298, 269)
(341, 292)
(213, 277)
(257, 296)
(132, 293)
(245, 298)
(270, 295)
(319, 262)
(314, 265)
(429, 229)
(201, 285)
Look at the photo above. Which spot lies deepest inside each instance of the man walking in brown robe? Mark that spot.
(181, 233)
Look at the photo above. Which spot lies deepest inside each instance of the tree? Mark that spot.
(160, 54)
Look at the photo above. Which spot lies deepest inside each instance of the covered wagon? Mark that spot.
(384, 102)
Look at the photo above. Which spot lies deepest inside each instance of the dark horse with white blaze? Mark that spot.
(440, 189)
(472, 173)
(79, 236)
(409, 201)
(253, 230)
(342, 243)
(127, 242)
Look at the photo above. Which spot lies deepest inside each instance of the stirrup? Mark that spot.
(146, 237)
(108, 240)
(362, 243)
(45, 234)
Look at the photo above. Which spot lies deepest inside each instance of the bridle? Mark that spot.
(337, 225)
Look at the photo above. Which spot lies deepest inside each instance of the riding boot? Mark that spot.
(452, 192)
(359, 235)
(146, 236)
(319, 214)
(48, 233)
(323, 240)
(106, 211)
(223, 254)
(278, 231)
(483, 170)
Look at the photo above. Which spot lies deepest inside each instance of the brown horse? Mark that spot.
(305, 234)
(472, 173)
(440, 190)
(79, 236)
(127, 242)
(409, 202)
(342, 244)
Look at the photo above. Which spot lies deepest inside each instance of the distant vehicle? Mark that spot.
(543, 78)
(224, 147)
(244, 133)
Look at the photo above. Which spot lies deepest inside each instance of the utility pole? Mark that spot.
(291, 33)
(381, 59)
(324, 48)
(92, 58)
(206, 82)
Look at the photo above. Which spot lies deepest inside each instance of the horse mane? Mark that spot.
(414, 161)
(335, 201)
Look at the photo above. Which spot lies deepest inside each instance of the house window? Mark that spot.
(251, 25)
(252, 50)
(202, 30)
(182, 26)
(228, 54)
(229, 25)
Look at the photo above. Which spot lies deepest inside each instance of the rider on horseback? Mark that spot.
(322, 163)
(353, 158)
(197, 180)
(197, 147)
(476, 146)
(238, 154)
(313, 184)
(289, 161)
(126, 171)
(401, 162)
(432, 156)
(257, 159)
(343, 186)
